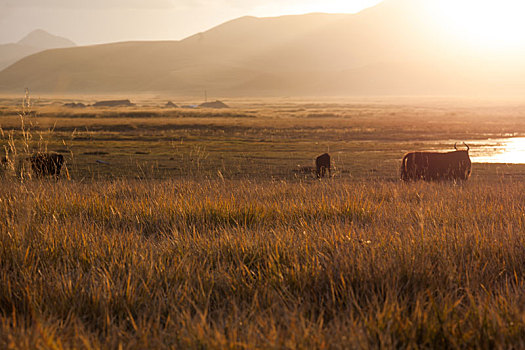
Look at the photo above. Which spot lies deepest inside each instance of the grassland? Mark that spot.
(260, 138)
(228, 246)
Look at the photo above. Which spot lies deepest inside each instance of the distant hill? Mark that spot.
(43, 40)
(391, 48)
(36, 41)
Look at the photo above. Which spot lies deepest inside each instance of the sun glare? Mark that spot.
(511, 151)
(495, 25)
(481, 23)
(273, 8)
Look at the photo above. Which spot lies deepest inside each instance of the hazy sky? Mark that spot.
(101, 21)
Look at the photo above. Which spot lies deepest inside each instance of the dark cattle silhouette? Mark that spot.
(322, 164)
(46, 163)
(430, 166)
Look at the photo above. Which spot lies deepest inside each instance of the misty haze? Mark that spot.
(277, 174)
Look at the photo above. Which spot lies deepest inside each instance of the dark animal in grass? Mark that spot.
(322, 164)
(430, 166)
(46, 164)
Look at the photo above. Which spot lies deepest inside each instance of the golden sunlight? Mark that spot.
(509, 151)
(302, 7)
(482, 23)
(342, 6)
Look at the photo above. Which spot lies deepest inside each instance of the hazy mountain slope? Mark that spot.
(213, 58)
(43, 40)
(10, 53)
(388, 49)
(36, 41)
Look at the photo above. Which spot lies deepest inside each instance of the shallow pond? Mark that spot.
(510, 150)
(505, 150)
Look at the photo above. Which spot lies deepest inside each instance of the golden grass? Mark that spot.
(261, 264)
(224, 244)
(256, 139)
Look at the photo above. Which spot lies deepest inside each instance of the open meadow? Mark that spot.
(206, 228)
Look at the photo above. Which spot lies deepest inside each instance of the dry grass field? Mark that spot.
(259, 138)
(197, 230)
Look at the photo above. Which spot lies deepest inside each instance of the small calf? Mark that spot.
(322, 164)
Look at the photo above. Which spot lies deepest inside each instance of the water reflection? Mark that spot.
(511, 150)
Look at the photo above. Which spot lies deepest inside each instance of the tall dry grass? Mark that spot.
(262, 264)
(27, 139)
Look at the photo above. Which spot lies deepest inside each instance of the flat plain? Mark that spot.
(205, 228)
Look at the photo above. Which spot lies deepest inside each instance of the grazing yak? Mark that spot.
(430, 166)
(46, 163)
(322, 164)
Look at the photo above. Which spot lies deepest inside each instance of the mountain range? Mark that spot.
(391, 48)
(36, 41)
